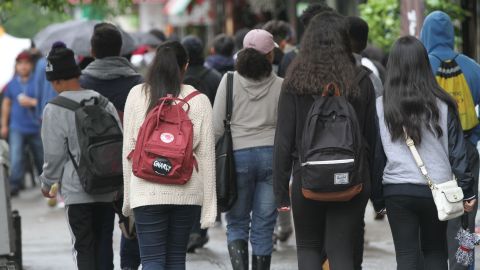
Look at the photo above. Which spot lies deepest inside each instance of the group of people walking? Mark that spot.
(166, 178)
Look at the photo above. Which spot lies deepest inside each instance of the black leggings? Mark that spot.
(331, 228)
(415, 225)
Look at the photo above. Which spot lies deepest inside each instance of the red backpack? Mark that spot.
(164, 150)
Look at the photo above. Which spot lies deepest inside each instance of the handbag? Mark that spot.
(448, 197)
(224, 160)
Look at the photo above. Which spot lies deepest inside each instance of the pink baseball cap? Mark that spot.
(259, 40)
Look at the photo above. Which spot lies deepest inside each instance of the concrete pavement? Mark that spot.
(46, 242)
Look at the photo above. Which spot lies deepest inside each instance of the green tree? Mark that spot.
(25, 18)
(383, 17)
(94, 8)
(16, 16)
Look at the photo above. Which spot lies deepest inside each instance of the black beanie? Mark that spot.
(61, 63)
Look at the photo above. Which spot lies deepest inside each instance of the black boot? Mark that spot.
(238, 251)
(261, 262)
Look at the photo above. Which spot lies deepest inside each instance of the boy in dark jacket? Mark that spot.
(222, 54)
(438, 37)
(113, 76)
(204, 79)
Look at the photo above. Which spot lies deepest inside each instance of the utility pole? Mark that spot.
(412, 15)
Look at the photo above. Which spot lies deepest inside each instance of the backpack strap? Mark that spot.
(228, 116)
(441, 61)
(66, 103)
(362, 73)
(191, 95)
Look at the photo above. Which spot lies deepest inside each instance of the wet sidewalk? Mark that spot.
(46, 242)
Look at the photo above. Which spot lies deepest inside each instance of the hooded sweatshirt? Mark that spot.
(220, 63)
(59, 134)
(438, 37)
(254, 113)
(112, 77)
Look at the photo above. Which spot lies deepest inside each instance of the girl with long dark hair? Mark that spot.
(414, 104)
(332, 227)
(164, 214)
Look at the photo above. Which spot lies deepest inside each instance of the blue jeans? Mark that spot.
(18, 141)
(254, 213)
(163, 232)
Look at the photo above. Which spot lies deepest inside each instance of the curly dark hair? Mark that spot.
(253, 64)
(325, 57)
(313, 10)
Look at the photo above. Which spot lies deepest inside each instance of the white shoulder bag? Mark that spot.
(448, 196)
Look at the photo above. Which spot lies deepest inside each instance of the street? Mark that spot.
(46, 242)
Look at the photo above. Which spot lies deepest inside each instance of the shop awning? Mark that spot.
(176, 7)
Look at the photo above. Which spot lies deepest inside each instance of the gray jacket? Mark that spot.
(254, 112)
(58, 129)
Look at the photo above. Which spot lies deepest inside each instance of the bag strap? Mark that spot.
(72, 106)
(228, 116)
(441, 61)
(418, 160)
(66, 103)
(362, 73)
(191, 95)
(72, 158)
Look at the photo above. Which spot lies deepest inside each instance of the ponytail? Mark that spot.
(164, 76)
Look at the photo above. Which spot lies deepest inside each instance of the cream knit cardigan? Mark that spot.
(200, 190)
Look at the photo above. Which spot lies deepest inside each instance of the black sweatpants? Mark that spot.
(91, 226)
(330, 227)
(415, 225)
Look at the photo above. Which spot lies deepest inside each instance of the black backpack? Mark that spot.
(198, 82)
(100, 139)
(332, 151)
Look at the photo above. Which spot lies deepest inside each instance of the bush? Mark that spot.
(383, 18)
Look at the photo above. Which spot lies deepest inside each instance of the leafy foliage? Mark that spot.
(25, 18)
(383, 17)
(101, 8)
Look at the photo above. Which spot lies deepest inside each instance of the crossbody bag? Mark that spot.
(448, 197)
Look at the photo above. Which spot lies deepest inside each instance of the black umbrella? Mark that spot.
(76, 35)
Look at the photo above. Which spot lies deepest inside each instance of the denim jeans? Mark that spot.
(129, 253)
(254, 213)
(18, 141)
(163, 232)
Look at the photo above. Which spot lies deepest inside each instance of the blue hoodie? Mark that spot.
(438, 36)
(45, 92)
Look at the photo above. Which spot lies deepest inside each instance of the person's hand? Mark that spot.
(284, 209)
(46, 193)
(468, 205)
(26, 101)
(4, 132)
(50, 193)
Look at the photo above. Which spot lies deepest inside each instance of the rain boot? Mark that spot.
(238, 251)
(261, 262)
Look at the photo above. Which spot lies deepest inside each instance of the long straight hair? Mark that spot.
(411, 92)
(165, 74)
